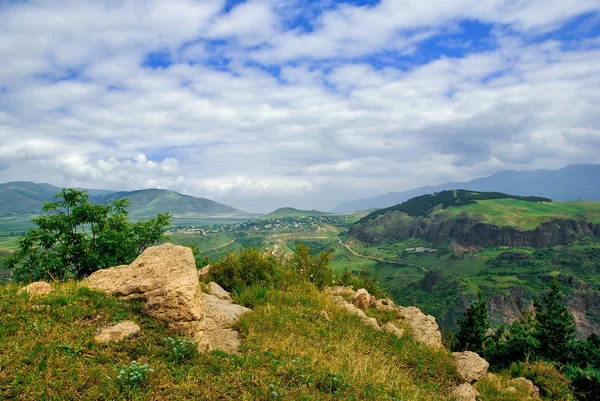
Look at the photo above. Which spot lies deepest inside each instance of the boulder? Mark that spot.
(424, 327)
(118, 332)
(372, 323)
(165, 279)
(362, 299)
(36, 288)
(340, 290)
(471, 367)
(203, 273)
(465, 392)
(324, 315)
(218, 291)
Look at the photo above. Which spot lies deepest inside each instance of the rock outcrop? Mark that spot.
(36, 288)
(118, 332)
(471, 367)
(218, 291)
(423, 327)
(165, 279)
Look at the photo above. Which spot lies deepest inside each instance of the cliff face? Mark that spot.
(471, 234)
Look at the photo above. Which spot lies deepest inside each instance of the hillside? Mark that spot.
(481, 219)
(146, 203)
(570, 183)
(25, 198)
(291, 212)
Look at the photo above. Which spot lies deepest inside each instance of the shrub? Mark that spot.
(180, 348)
(133, 376)
(74, 238)
(553, 385)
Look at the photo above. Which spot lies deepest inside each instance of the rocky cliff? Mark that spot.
(468, 233)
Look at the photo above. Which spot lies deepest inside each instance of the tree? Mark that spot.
(473, 328)
(75, 237)
(555, 326)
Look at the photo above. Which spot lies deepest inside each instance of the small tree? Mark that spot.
(555, 326)
(74, 238)
(473, 328)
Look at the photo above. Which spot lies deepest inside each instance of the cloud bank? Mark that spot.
(269, 103)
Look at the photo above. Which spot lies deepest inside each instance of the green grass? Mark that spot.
(8, 243)
(47, 352)
(526, 215)
(291, 212)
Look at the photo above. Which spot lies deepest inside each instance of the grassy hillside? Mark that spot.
(525, 215)
(291, 212)
(288, 353)
(22, 197)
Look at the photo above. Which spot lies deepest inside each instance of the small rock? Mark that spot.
(510, 390)
(324, 315)
(225, 340)
(36, 288)
(340, 290)
(523, 384)
(392, 329)
(118, 332)
(353, 310)
(471, 367)
(372, 323)
(218, 291)
(203, 273)
(465, 392)
(362, 299)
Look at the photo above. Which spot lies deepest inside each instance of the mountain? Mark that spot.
(291, 212)
(20, 198)
(146, 203)
(476, 220)
(569, 183)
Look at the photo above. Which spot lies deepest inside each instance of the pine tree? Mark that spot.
(473, 328)
(555, 327)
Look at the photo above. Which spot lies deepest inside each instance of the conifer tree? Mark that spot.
(473, 327)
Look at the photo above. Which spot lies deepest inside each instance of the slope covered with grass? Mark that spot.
(291, 212)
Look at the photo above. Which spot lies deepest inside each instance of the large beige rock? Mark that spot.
(118, 332)
(36, 288)
(362, 299)
(522, 384)
(465, 392)
(165, 279)
(424, 327)
(392, 329)
(471, 367)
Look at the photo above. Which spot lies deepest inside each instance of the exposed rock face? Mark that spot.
(465, 392)
(118, 332)
(471, 367)
(390, 328)
(36, 288)
(165, 279)
(468, 233)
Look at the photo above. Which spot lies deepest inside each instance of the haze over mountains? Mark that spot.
(572, 182)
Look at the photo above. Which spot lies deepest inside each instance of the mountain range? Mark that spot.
(573, 182)
(20, 198)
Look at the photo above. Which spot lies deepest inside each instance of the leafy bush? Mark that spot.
(180, 348)
(133, 376)
(364, 280)
(553, 385)
(74, 238)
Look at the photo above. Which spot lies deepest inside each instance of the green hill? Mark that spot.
(21, 197)
(146, 203)
(480, 219)
(291, 212)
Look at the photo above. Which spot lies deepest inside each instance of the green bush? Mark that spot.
(553, 385)
(74, 238)
(180, 348)
(133, 376)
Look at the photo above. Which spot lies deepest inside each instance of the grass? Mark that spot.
(47, 352)
(526, 215)
(8, 243)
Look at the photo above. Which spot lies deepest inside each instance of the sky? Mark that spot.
(260, 104)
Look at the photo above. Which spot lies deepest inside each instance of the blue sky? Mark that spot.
(268, 103)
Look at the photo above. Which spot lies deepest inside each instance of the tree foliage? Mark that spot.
(75, 237)
(473, 328)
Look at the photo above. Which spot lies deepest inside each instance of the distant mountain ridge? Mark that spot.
(572, 182)
(22, 197)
